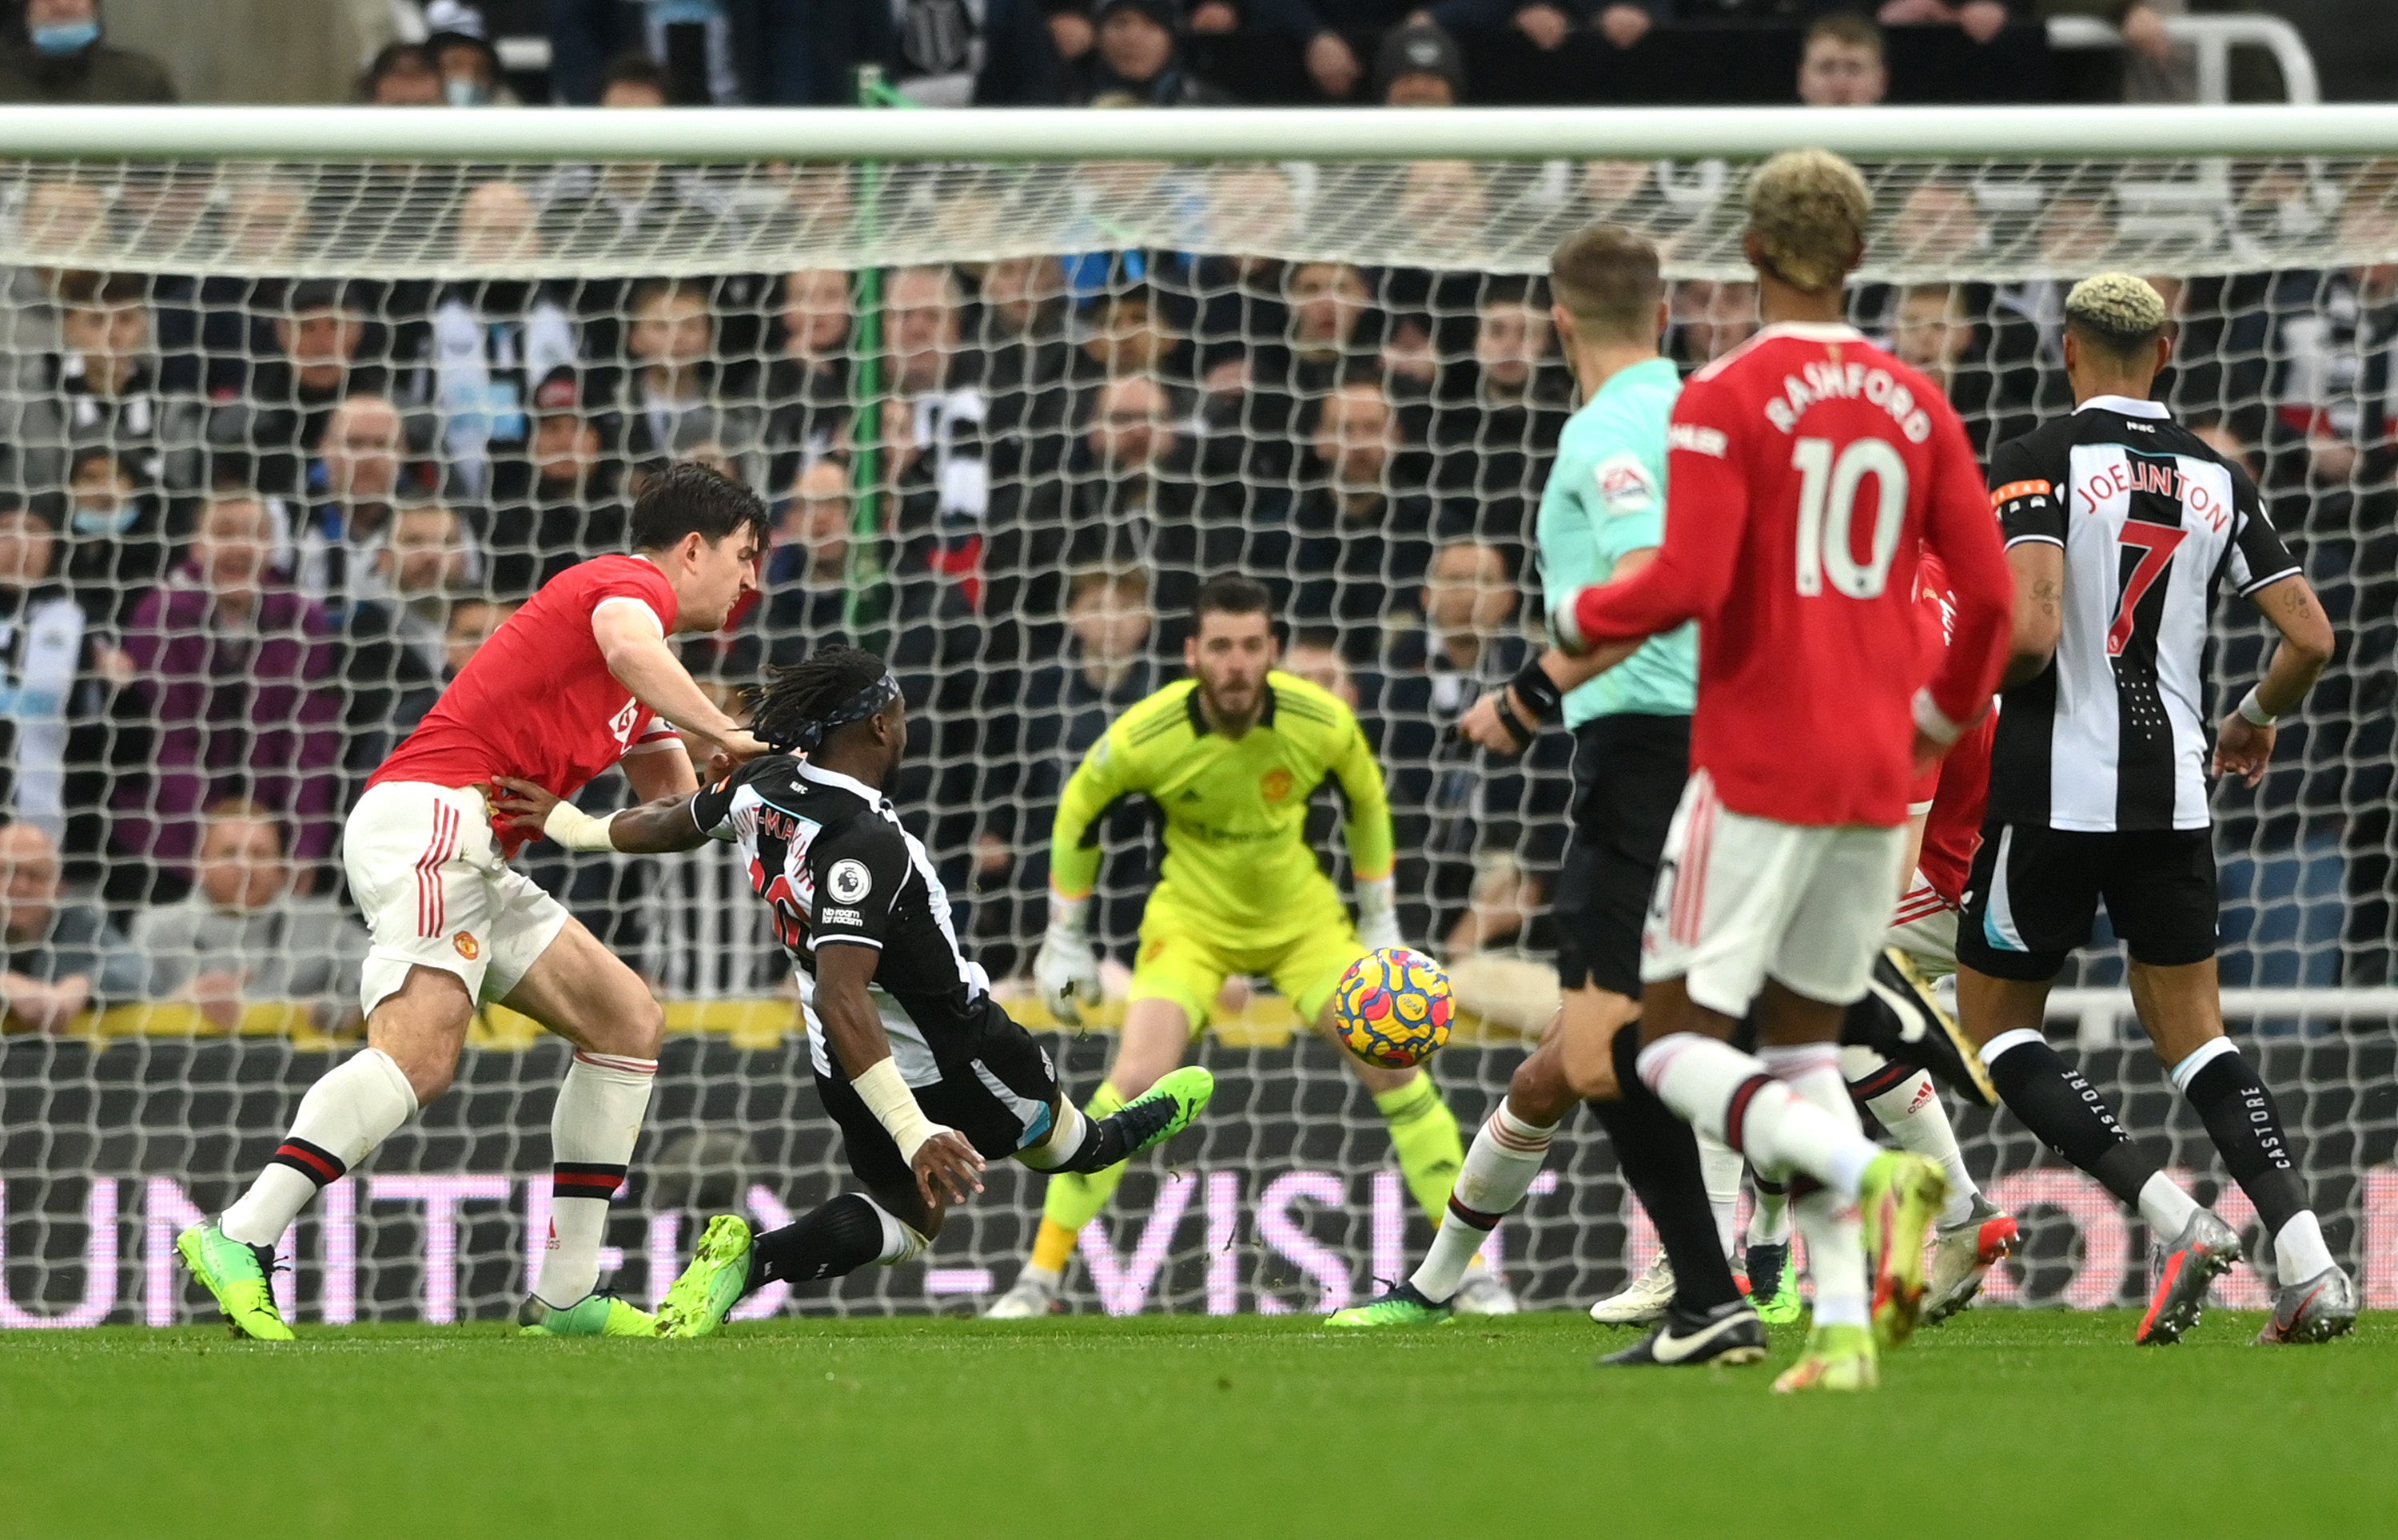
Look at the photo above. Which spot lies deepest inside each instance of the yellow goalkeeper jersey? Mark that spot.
(1236, 809)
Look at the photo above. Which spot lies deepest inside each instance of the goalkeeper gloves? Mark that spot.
(1065, 970)
(1378, 915)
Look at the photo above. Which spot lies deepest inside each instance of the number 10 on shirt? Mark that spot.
(1830, 486)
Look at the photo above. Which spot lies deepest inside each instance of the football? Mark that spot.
(1393, 1008)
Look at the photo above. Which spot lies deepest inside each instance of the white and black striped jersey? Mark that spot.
(2113, 735)
(828, 854)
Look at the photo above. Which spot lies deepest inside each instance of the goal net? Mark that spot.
(283, 440)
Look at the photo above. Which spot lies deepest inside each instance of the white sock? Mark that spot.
(2298, 1251)
(1769, 1222)
(591, 1135)
(901, 1240)
(356, 1107)
(1506, 1154)
(1065, 1141)
(2166, 1207)
(1720, 1166)
(1912, 1112)
(1781, 1131)
(1041, 1278)
(1835, 1231)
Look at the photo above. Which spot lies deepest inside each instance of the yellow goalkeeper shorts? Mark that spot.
(1186, 958)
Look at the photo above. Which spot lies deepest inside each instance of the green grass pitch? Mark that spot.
(2033, 1422)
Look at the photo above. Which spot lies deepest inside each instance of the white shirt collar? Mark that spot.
(1814, 331)
(846, 783)
(2125, 405)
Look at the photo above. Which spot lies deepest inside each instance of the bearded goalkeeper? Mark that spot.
(1229, 756)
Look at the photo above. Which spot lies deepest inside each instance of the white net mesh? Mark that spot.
(279, 443)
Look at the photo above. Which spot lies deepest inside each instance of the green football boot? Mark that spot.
(592, 1316)
(1403, 1305)
(241, 1277)
(714, 1282)
(1773, 1285)
(1838, 1358)
(1165, 1109)
(1900, 1197)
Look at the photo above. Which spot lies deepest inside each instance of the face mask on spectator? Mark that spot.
(462, 93)
(65, 37)
(105, 521)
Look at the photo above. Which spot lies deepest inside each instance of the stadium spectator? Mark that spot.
(229, 671)
(58, 955)
(472, 621)
(934, 428)
(669, 398)
(1108, 663)
(564, 501)
(1979, 19)
(1419, 66)
(1494, 428)
(277, 398)
(120, 536)
(1134, 59)
(488, 342)
(1356, 548)
(2075, 233)
(2337, 338)
(806, 378)
(401, 75)
(1461, 823)
(1625, 22)
(59, 58)
(1841, 63)
(803, 598)
(632, 206)
(59, 673)
(2156, 69)
(1709, 320)
(1024, 332)
(1129, 498)
(101, 387)
(460, 48)
(394, 647)
(242, 933)
(1274, 353)
(1932, 330)
(354, 482)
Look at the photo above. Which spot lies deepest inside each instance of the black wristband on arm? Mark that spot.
(1525, 733)
(1539, 691)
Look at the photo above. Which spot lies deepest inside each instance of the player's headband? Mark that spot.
(857, 708)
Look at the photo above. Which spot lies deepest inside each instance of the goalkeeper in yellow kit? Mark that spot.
(1230, 756)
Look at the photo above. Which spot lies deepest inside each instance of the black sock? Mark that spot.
(2246, 1128)
(842, 1237)
(1660, 1160)
(2052, 1099)
(1109, 1139)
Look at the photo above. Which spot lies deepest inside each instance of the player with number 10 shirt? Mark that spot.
(1808, 469)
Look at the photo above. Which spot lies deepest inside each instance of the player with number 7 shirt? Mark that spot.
(1808, 469)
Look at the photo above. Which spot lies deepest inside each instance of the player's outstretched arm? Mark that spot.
(656, 827)
(637, 655)
(2243, 746)
(1372, 848)
(947, 1168)
(1066, 969)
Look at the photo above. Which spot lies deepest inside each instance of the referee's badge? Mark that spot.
(1624, 485)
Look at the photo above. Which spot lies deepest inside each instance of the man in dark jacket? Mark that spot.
(58, 59)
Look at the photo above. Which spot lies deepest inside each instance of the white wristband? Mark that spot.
(894, 1105)
(2253, 710)
(571, 826)
(1935, 722)
(1377, 896)
(1069, 917)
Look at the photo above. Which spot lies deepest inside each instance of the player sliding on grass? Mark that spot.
(579, 679)
(1230, 756)
(926, 1076)
(1808, 469)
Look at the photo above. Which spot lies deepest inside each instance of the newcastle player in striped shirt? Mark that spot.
(2121, 525)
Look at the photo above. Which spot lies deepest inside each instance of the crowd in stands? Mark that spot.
(250, 526)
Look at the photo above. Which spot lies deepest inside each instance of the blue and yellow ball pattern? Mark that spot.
(1393, 1008)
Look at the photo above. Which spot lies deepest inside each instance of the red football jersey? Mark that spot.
(1956, 791)
(1807, 470)
(537, 701)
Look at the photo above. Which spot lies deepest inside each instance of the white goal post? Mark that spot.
(1129, 344)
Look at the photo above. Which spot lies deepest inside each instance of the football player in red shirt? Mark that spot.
(1809, 469)
(579, 679)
